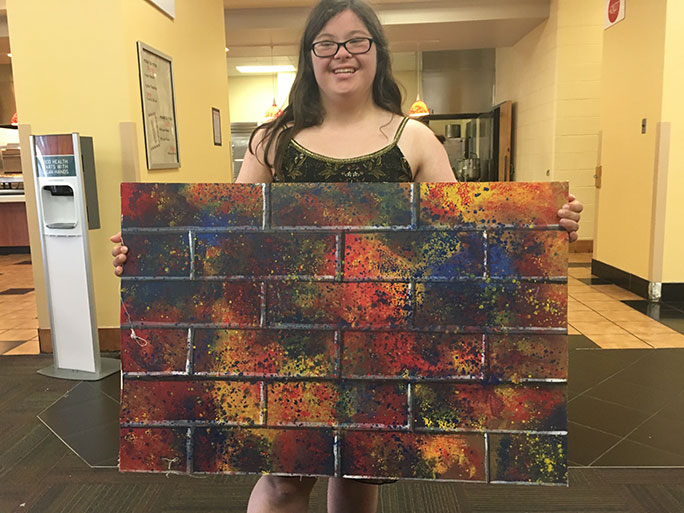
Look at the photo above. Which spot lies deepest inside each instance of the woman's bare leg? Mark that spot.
(351, 496)
(275, 494)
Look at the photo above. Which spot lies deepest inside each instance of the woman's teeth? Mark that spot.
(344, 70)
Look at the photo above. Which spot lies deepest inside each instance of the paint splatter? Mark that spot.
(367, 330)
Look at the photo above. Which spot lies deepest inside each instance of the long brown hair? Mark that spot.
(305, 109)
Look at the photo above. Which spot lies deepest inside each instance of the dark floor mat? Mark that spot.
(15, 292)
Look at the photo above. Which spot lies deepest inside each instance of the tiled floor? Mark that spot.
(608, 315)
(18, 314)
(614, 318)
(625, 407)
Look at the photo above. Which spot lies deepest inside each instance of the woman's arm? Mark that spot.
(429, 159)
(254, 169)
(426, 155)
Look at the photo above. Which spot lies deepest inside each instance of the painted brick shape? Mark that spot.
(353, 305)
(341, 204)
(528, 458)
(447, 407)
(545, 253)
(147, 205)
(492, 304)
(495, 204)
(369, 330)
(411, 255)
(397, 454)
(282, 451)
(158, 254)
(265, 255)
(517, 358)
(173, 302)
(154, 402)
(155, 350)
(265, 353)
(410, 354)
(153, 449)
(362, 404)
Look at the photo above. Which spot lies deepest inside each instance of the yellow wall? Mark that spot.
(196, 42)
(673, 112)
(75, 69)
(526, 74)
(250, 96)
(553, 77)
(408, 87)
(632, 89)
(578, 92)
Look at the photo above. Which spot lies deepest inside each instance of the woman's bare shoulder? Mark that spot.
(417, 130)
(425, 153)
(254, 168)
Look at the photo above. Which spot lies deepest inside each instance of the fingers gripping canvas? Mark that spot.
(411, 331)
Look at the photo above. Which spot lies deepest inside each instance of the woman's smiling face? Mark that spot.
(344, 74)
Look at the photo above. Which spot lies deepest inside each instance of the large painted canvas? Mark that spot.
(413, 331)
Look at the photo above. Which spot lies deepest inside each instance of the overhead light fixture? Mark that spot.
(419, 107)
(272, 112)
(9, 55)
(227, 49)
(267, 69)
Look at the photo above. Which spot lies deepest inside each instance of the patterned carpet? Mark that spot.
(38, 473)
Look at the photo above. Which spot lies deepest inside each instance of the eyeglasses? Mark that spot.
(355, 46)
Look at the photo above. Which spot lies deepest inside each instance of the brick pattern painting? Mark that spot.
(373, 330)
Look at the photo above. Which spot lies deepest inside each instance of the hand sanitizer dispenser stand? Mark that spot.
(66, 196)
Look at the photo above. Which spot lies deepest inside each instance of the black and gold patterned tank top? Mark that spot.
(385, 165)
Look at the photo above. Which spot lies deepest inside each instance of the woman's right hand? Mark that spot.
(119, 254)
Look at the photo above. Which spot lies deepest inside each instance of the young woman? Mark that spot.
(343, 123)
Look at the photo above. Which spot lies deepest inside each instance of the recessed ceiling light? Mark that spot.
(9, 55)
(227, 49)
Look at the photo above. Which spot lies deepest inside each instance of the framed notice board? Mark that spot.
(159, 108)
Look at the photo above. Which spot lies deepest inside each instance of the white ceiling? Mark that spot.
(262, 31)
(259, 29)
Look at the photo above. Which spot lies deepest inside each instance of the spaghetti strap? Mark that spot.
(400, 130)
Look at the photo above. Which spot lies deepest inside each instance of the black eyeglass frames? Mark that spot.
(355, 46)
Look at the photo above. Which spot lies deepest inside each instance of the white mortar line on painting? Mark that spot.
(189, 363)
(266, 207)
(263, 320)
(191, 245)
(409, 409)
(189, 449)
(486, 456)
(415, 204)
(557, 280)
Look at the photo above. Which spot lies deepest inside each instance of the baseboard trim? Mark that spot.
(582, 246)
(15, 250)
(673, 292)
(110, 339)
(636, 284)
(622, 278)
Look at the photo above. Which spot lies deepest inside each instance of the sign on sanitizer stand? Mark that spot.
(66, 194)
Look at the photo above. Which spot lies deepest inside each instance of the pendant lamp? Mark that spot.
(273, 111)
(419, 107)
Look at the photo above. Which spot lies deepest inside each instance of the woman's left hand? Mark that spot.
(570, 215)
